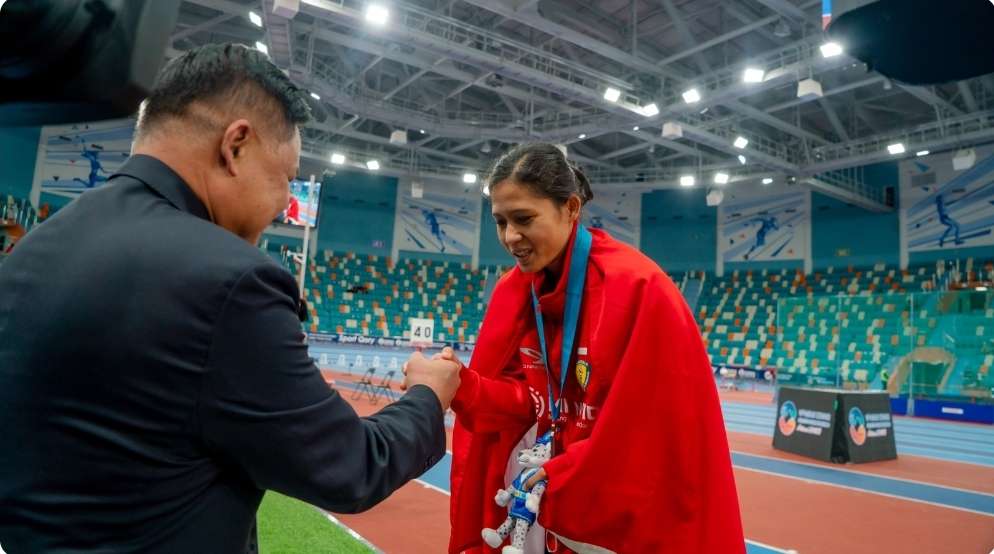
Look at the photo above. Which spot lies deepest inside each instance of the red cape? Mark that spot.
(655, 474)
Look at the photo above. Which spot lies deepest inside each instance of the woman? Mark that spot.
(641, 462)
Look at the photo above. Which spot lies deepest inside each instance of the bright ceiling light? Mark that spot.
(753, 75)
(612, 94)
(767, 180)
(635, 128)
(256, 19)
(582, 136)
(687, 181)
(720, 178)
(650, 110)
(422, 131)
(896, 148)
(740, 142)
(921, 153)
(742, 159)
(377, 14)
(469, 178)
(338, 159)
(691, 96)
(373, 165)
(261, 47)
(830, 49)
(315, 96)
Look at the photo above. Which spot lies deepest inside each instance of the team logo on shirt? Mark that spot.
(583, 373)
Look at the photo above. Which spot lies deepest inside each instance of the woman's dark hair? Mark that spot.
(544, 169)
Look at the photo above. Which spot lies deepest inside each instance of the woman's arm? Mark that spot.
(487, 405)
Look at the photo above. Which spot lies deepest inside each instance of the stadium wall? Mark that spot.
(357, 213)
(18, 149)
(679, 231)
(491, 252)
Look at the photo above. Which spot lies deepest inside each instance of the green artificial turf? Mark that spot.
(289, 526)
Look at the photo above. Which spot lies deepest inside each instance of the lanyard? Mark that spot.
(574, 292)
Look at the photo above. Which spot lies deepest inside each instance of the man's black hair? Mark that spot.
(228, 76)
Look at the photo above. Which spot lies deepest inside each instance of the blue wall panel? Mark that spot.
(679, 230)
(357, 213)
(18, 151)
(491, 251)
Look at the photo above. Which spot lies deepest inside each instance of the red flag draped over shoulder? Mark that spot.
(655, 474)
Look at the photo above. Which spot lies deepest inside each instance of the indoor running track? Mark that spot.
(938, 496)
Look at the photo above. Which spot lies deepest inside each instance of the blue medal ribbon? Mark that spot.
(571, 316)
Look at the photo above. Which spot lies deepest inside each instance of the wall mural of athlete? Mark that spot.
(952, 226)
(431, 220)
(767, 224)
(96, 167)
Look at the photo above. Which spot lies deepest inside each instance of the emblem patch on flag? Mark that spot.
(583, 373)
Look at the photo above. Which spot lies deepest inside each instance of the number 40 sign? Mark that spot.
(422, 332)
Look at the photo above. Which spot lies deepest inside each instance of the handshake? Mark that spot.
(440, 373)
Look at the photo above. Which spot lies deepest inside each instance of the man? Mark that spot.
(153, 374)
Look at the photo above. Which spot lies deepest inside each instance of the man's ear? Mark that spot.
(233, 142)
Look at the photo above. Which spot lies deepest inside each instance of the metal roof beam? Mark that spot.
(787, 9)
(929, 96)
(833, 119)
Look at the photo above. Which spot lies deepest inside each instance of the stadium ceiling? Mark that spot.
(467, 78)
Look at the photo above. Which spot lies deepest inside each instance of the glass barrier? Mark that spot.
(936, 346)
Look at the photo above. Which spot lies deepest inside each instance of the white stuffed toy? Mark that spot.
(522, 505)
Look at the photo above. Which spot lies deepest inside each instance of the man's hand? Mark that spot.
(440, 375)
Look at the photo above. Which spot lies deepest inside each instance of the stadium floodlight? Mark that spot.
(921, 153)
(261, 47)
(256, 19)
(315, 96)
(830, 49)
(687, 181)
(691, 96)
(896, 148)
(612, 94)
(373, 165)
(740, 142)
(767, 180)
(582, 136)
(742, 159)
(469, 178)
(650, 110)
(338, 159)
(377, 14)
(720, 178)
(753, 75)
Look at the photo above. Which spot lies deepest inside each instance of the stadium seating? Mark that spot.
(370, 295)
(17, 217)
(849, 323)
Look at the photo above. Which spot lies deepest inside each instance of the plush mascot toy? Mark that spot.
(522, 505)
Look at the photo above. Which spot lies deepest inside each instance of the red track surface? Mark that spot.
(809, 517)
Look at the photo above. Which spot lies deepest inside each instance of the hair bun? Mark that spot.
(582, 183)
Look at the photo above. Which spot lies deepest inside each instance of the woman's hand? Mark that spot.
(539, 476)
(448, 354)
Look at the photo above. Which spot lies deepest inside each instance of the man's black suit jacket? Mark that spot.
(154, 381)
